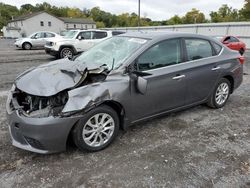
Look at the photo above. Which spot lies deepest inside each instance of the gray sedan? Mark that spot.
(121, 81)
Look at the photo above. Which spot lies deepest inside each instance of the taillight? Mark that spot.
(242, 59)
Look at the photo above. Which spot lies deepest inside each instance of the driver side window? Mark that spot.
(160, 55)
(85, 35)
(38, 36)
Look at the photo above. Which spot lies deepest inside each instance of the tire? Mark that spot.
(87, 133)
(220, 94)
(242, 51)
(26, 46)
(66, 53)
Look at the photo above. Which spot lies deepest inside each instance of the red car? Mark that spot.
(233, 43)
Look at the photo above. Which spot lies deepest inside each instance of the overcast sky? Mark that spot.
(154, 9)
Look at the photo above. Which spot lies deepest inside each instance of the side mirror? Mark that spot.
(80, 37)
(141, 85)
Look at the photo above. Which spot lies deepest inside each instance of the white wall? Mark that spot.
(32, 24)
(240, 29)
(11, 33)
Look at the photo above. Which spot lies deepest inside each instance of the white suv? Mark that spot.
(74, 42)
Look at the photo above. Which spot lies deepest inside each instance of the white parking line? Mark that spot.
(3, 93)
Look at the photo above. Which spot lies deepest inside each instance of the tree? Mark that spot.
(100, 25)
(245, 11)
(7, 12)
(225, 14)
(174, 20)
(194, 16)
(27, 8)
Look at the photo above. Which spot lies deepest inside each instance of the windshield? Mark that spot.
(112, 52)
(70, 34)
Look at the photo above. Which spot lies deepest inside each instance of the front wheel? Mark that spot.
(66, 53)
(97, 129)
(220, 94)
(26, 46)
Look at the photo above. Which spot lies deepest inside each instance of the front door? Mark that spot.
(84, 41)
(166, 85)
(38, 40)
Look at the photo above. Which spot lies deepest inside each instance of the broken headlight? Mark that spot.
(36, 106)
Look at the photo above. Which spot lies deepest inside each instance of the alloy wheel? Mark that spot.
(98, 129)
(222, 93)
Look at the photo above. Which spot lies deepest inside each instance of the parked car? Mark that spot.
(233, 43)
(121, 81)
(35, 40)
(75, 42)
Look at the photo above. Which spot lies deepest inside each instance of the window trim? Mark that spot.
(185, 62)
(196, 38)
(181, 54)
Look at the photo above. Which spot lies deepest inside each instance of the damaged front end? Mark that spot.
(37, 117)
(46, 93)
(39, 107)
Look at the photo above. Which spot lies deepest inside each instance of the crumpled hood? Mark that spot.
(51, 78)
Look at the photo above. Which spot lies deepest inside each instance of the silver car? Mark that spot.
(35, 40)
(121, 81)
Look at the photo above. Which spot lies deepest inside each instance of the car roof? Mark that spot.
(154, 35)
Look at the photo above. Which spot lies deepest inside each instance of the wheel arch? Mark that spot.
(231, 80)
(26, 42)
(68, 46)
(116, 106)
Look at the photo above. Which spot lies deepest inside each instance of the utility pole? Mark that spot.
(139, 12)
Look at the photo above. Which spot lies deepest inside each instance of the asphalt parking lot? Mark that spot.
(198, 147)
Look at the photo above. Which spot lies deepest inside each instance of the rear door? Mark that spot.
(202, 69)
(166, 85)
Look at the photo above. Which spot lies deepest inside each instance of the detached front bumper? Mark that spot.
(40, 135)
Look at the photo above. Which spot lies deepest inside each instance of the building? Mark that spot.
(42, 21)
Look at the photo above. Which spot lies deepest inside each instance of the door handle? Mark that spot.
(178, 77)
(215, 68)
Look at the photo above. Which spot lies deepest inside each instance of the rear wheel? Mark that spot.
(66, 53)
(97, 129)
(220, 94)
(27, 46)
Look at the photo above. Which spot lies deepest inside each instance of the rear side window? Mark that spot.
(99, 35)
(217, 48)
(198, 49)
(231, 39)
(114, 33)
(49, 35)
(163, 54)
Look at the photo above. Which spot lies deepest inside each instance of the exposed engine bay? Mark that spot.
(45, 106)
